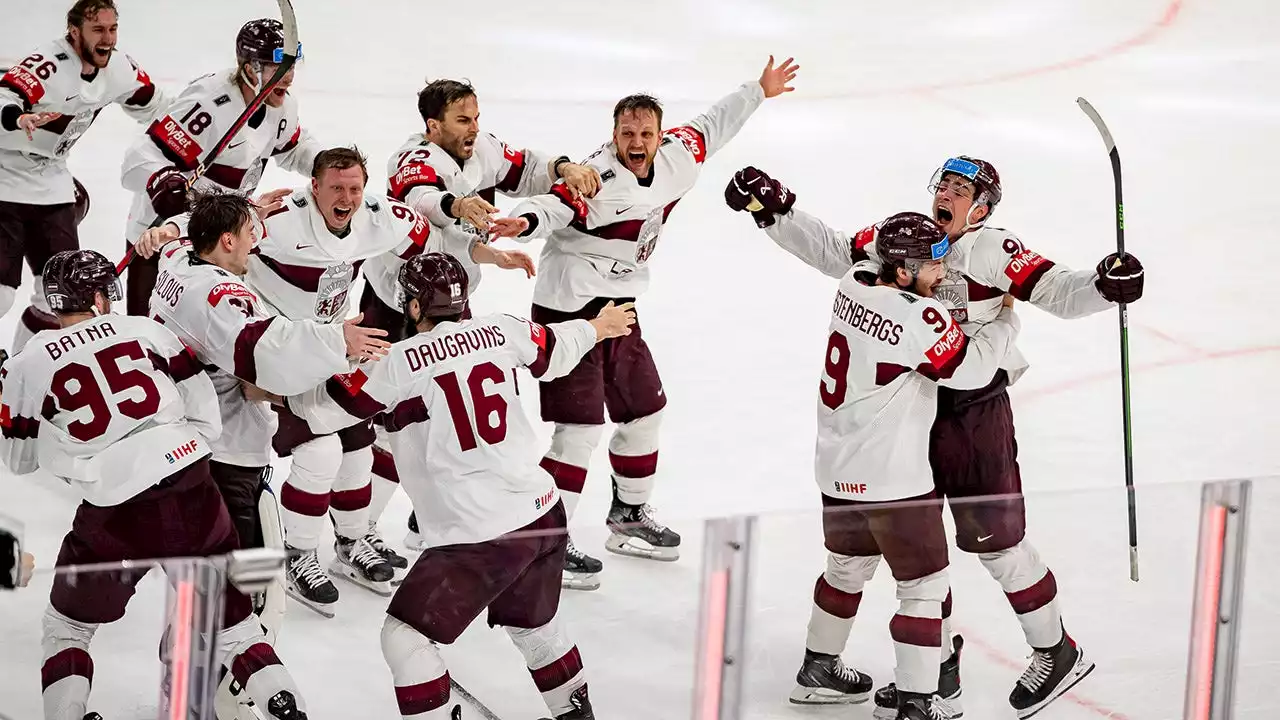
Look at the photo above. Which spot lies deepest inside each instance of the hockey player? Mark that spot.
(158, 164)
(200, 297)
(598, 249)
(450, 173)
(47, 101)
(972, 450)
(312, 250)
(492, 520)
(891, 345)
(118, 409)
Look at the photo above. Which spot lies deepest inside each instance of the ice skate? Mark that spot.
(309, 584)
(581, 707)
(393, 558)
(357, 561)
(636, 533)
(413, 539)
(580, 570)
(92, 715)
(1052, 672)
(283, 706)
(887, 700)
(925, 707)
(825, 680)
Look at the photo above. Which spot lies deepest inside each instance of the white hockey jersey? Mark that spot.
(34, 172)
(111, 405)
(216, 315)
(600, 246)
(303, 271)
(887, 351)
(982, 266)
(467, 455)
(420, 174)
(186, 130)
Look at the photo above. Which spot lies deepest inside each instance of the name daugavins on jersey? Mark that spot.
(454, 345)
(870, 322)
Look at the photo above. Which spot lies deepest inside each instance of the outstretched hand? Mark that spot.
(614, 320)
(364, 343)
(775, 80)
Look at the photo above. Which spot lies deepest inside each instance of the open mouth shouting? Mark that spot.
(943, 215)
(342, 214)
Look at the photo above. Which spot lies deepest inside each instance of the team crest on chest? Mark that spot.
(332, 291)
(953, 293)
(647, 238)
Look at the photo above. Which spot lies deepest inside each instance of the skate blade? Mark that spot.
(353, 576)
(580, 581)
(324, 609)
(635, 547)
(1079, 672)
(817, 696)
(414, 542)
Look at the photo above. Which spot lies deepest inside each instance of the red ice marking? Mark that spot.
(715, 627)
(183, 614)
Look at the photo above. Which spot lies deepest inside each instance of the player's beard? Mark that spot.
(91, 55)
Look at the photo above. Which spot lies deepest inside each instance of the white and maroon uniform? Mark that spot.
(599, 248)
(181, 137)
(301, 270)
(469, 461)
(120, 410)
(426, 177)
(216, 315)
(887, 352)
(37, 214)
(972, 448)
(34, 172)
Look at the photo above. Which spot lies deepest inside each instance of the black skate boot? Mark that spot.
(308, 583)
(283, 706)
(636, 533)
(1052, 672)
(887, 700)
(92, 715)
(413, 539)
(380, 546)
(357, 561)
(825, 680)
(580, 570)
(581, 707)
(924, 707)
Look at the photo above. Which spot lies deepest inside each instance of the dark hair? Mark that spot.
(340, 158)
(438, 95)
(636, 103)
(214, 212)
(85, 9)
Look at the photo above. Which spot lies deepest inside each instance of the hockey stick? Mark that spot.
(480, 707)
(1114, 154)
(289, 56)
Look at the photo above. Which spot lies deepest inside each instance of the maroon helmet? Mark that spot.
(439, 283)
(82, 201)
(910, 236)
(73, 277)
(262, 41)
(981, 173)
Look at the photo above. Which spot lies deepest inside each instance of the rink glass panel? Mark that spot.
(129, 676)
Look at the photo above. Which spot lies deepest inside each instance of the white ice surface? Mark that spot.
(886, 92)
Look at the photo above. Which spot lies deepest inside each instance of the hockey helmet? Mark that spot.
(910, 237)
(72, 277)
(262, 41)
(983, 175)
(439, 283)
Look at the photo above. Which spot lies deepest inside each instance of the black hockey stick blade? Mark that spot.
(289, 57)
(1114, 155)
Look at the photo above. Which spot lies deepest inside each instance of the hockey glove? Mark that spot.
(167, 189)
(1120, 278)
(751, 189)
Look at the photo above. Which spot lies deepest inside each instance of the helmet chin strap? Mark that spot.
(969, 224)
(257, 70)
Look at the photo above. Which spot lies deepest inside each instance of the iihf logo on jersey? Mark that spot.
(545, 500)
(181, 451)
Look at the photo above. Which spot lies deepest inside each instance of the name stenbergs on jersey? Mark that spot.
(867, 321)
(454, 345)
(78, 337)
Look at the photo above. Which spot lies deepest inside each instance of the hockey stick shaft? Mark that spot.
(1114, 155)
(480, 707)
(290, 56)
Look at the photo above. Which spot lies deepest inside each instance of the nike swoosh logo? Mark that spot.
(624, 210)
(986, 538)
(303, 247)
(236, 145)
(73, 97)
